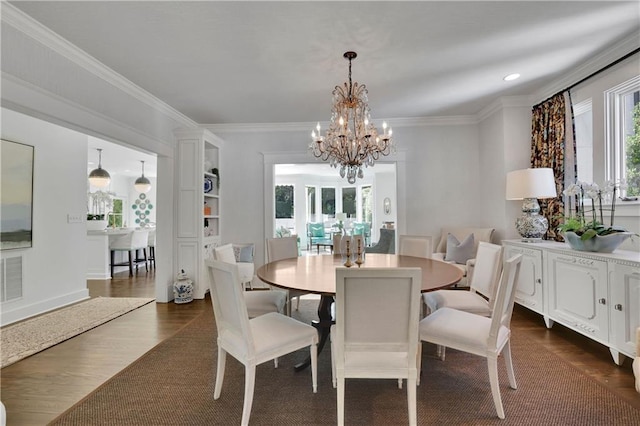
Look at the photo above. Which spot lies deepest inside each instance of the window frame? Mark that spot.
(615, 137)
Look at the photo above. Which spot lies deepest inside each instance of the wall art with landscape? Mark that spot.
(16, 195)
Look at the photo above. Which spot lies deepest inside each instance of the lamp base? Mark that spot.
(531, 226)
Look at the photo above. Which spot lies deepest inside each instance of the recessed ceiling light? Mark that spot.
(511, 77)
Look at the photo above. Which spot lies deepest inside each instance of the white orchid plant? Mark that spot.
(577, 220)
(100, 202)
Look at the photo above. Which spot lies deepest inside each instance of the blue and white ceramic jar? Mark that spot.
(183, 289)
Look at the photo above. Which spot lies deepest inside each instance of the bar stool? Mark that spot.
(131, 243)
(151, 242)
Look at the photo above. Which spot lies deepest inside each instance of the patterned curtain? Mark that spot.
(551, 147)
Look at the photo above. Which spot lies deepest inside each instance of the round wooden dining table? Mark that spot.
(317, 274)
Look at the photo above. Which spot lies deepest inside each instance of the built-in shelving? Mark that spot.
(198, 210)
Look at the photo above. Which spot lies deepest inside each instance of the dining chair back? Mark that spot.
(486, 271)
(257, 302)
(484, 283)
(252, 341)
(282, 248)
(480, 335)
(285, 248)
(415, 245)
(376, 328)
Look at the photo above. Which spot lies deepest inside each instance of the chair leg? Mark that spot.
(492, 364)
(113, 260)
(131, 254)
(399, 383)
(411, 402)
(222, 358)
(249, 382)
(419, 362)
(333, 363)
(340, 398)
(144, 251)
(314, 366)
(441, 351)
(509, 362)
(298, 303)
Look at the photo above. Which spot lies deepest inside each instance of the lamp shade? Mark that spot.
(99, 177)
(341, 216)
(530, 183)
(142, 184)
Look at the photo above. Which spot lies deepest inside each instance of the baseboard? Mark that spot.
(10, 316)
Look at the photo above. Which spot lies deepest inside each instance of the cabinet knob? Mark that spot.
(602, 301)
(539, 280)
(618, 307)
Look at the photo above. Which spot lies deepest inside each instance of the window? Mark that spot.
(329, 201)
(311, 203)
(349, 201)
(367, 204)
(115, 215)
(284, 201)
(623, 135)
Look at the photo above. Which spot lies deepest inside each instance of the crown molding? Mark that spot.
(307, 127)
(24, 23)
(15, 88)
(597, 62)
(502, 103)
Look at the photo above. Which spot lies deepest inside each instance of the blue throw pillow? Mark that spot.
(317, 229)
(460, 252)
(246, 254)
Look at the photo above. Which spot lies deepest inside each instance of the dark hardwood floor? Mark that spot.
(39, 388)
(42, 386)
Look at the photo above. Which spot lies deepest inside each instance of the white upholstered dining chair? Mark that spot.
(376, 329)
(479, 335)
(252, 341)
(285, 248)
(415, 245)
(259, 302)
(480, 297)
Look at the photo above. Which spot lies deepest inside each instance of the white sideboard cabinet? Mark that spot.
(595, 294)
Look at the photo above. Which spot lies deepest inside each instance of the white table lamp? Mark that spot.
(529, 185)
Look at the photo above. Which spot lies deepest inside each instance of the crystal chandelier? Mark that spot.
(352, 140)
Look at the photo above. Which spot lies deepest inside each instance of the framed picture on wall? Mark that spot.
(16, 195)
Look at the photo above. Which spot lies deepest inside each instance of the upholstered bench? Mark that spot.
(463, 255)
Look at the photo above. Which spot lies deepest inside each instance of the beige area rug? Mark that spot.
(18, 341)
(172, 385)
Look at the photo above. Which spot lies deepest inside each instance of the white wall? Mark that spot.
(438, 178)
(505, 145)
(55, 266)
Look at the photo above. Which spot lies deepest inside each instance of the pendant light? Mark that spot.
(99, 177)
(142, 184)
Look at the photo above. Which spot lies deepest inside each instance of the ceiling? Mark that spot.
(277, 62)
